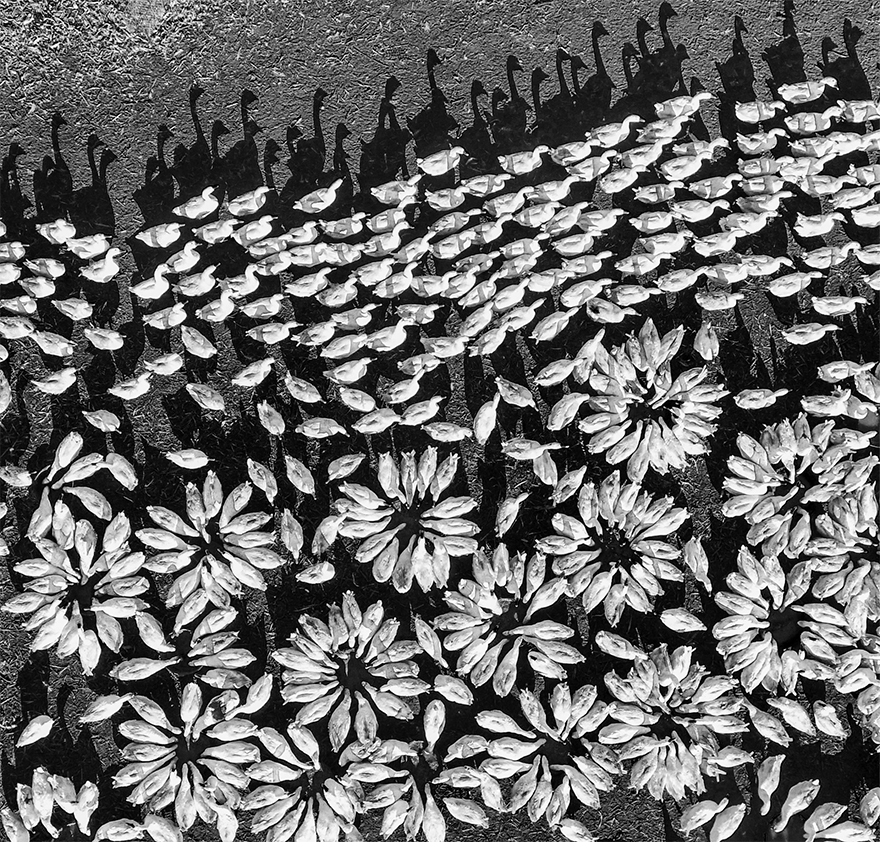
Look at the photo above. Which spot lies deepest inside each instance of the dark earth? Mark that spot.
(122, 70)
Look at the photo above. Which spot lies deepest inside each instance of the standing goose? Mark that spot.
(540, 126)
(560, 108)
(93, 210)
(851, 78)
(786, 59)
(217, 176)
(737, 73)
(270, 158)
(157, 192)
(243, 172)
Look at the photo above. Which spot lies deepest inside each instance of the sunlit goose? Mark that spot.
(757, 111)
(791, 284)
(218, 310)
(812, 122)
(249, 203)
(806, 334)
(254, 231)
(397, 193)
(818, 225)
(521, 163)
(88, 248)
(129, 390)
(801, 92)
(340, 229)
(715, 186)
(216, 232)
(197, 284)
(641, 157)
(241, 286)
(104, 269)
(828, 256)
(165, 365)
(198, 207)
(46, 267)
(184, 260)
(447, 199)
(657, 194)
(57, 232)
(613, 134)
(837, 305)
(161, 236)
(154, 287)
(652, 222)
(697, 210)
(760, 142)
(763, 202)
(318, 200)
(681, 106)
(440, 163)
(572, 153)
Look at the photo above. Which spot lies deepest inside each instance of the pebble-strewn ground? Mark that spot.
(513, 465)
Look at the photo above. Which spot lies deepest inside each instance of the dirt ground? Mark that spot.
(120, 69)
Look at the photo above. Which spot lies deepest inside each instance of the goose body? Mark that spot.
(247, 204)
(198, 207)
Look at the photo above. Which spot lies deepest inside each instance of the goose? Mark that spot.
(813, 147)
(657, 194)
(9, 273)
(812, 122)
(726, 273)
(310, 285)
(757, 111)
(758, 398)
(619, 180)
(597, 221)
(24, 305)
(318, 200)
(806, 334)
(763, 265)
(253, 232)
(716, 300)
(683, 167)
(522, 246)
(640, 264)
(165, 365)
(858, 111)
(381, 245)
(679, 279)
(573, 245)
(247, 204)
(613, 134)
(760, 142)
(697, 210)
(652, 222)
(537, 216)
(869, 255)
(643, 156)
(763, 202)
(827, 257)
(854, 197)
(216, 232)
(714, 187)
(509, 121)
(669, 243)
(415, 249)
(154, 287)
(587, 264)
(762, 185)
(241, 286)
(792, 283)
(440, 163)
(397, 194)
(57, 232)
(451, 247)
(268, 246)
(663, 131)
(187, 258)
(161, 236)
(447, 199)
(701, 147)
(58, 382)
(341, 229)
(197, 284)
(304, 235)
(104, 269)
(800, 92)
(263, 308)
(714, 244)
(311, 152)
(486, 185)
(748, 223)
(76, 309)
(756, 167)
(219, 310)
(572, 153)
(552, 191)
(682, 106)
(46, 267)
(846, 143)
(868, 217)
(507, 203)
(275, 264)
(522, 163)
(837, 305)
(38, 286)
(88, 248)
(198, 207)
(539, 126)
(104, 339)
(820, 186)
(52, 344)
(591, 168)
(129, 390)
(564, 219)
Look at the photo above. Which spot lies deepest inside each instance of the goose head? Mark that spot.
(432, 60)
(666, 13)
(58, 121)
(164, 133)
(271, 151)
(642, 30)
(219, 128)
(539, 75)
(392, 85)
(248, 98)
(599, 30)
(195, 91)
(478, 89)
(319, 97)
(513, 64)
